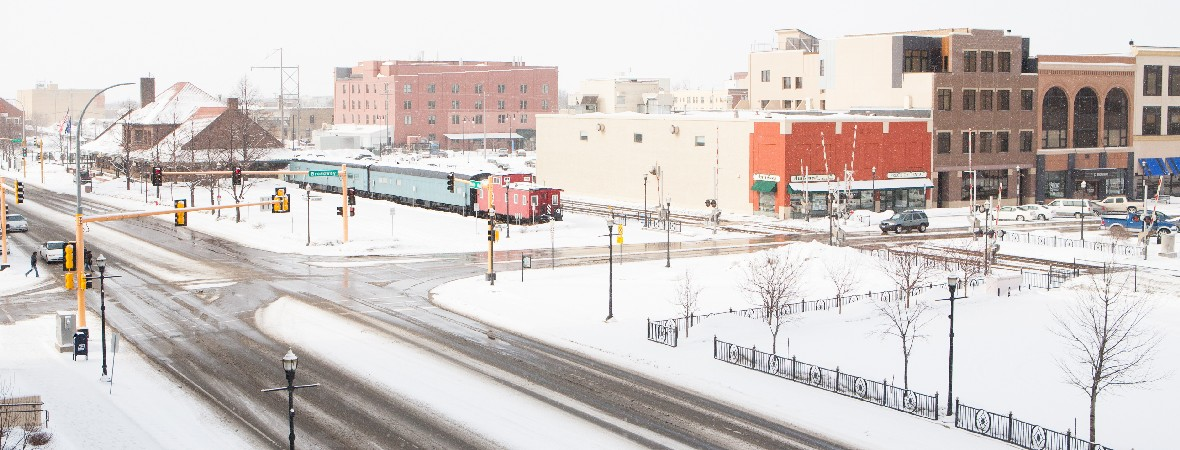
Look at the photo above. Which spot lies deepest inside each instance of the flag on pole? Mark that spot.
(64, 126)
(1157, 196)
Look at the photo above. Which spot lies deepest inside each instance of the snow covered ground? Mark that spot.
(1005, 360)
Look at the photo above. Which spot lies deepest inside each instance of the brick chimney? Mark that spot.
(231, 103)
(147, 91)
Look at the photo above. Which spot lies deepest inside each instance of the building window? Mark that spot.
(968, 142)
(479, 88)
(917, 61)
(1152, 80)
(1002, 100)
(969, 61)
(499, 104)
(500, 89)
(407, 104)
(544, 105)
(1002, 141)
(786, 82)
(1026, 99)
(638, 137)
(583, 136)
(985, 100)
(987, 62)
(989, 183)
(524, 104)
(1026, 141)
(432, 137)
(798, 82)
(408, 120)
(545, 88)
(524, 89)
(454, 104)
(430, 88)
(430, 104)
(1004, 60)
(1173, 120)
(968, 99)
(1173, 80)
(405, 88)
(944, 142)
(821, 67)
(431, 120)
(620, 100)
(944, 99)
(479, 104)
(478, 119)
(502, 118)
(699, 141)
(455, 88)
(1151, 120)
(765, 76)
(524, 118)
(985, 142)
(343, 89)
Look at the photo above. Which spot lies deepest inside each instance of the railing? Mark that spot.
(27, 414)
(1052, 279)
(848, 385)
(1054, 241)
(1017, 432)
(661, 332)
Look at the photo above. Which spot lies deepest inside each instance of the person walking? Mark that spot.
(33, 265)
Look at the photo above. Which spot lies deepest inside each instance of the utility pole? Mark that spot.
(288, 81)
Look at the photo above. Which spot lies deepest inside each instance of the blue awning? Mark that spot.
(1153, 167)
(1174, 165)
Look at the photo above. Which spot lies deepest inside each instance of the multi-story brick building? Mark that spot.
(458, 104)
(1156, 118)
(1082, 126)
(977, 86)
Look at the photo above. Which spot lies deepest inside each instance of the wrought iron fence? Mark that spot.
(663, 332)
(849, 385)
(1017, 432)
(1052, 279)
(1055, 241)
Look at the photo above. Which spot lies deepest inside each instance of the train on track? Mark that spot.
(513, 197)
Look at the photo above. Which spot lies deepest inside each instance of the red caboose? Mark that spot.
(519, 200)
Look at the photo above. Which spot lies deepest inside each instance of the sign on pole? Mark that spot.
(323, 173)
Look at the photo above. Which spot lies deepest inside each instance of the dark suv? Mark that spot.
(905, 221)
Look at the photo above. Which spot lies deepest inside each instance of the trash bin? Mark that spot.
(81, 348)
(88, 188)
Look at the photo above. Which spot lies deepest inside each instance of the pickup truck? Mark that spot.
(1115, 204)
(1133, 221)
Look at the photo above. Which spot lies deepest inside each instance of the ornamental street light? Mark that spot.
(1082, 216)
(952, 283)
(668, 233)
(290, 362)
(610, 287)
(102, 309)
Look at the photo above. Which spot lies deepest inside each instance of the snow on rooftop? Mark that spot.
(174, 105)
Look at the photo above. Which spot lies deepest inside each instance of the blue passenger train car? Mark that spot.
(416, 186)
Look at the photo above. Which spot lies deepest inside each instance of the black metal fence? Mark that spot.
(1017, 432)
(1052, 279)
(1054, 241)
(663, 332)
(860, 388)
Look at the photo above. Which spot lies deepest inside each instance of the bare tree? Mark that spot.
(247, 141)
(125, 160)
(773, 278)
(1109, 343)
(687, 297)
(966, 257)
(905, 322)
(844, 277)
(908, 269)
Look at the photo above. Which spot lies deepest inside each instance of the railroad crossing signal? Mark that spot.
(451, 182)
(20, 191)
(237, 176)
(181, 217)
(157, 176)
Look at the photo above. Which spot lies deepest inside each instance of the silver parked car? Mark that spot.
(16, 222)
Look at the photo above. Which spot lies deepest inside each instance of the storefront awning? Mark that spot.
(764, 186)
(1174, 165)
(1152, 167)
(866, 185)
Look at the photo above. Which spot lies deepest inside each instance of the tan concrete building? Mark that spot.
(785, 76)
(47, 104)
(702, 100)
(1156, 119)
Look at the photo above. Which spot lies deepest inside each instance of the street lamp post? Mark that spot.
(610, 287)
(952, 282)
(668, 232)
(290, 362)
(102, 308)
(645, 200)
(876, 208)
(1082, 216)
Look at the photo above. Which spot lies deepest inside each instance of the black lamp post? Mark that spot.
(645, 200)
(610, 287)
(290, 362)
(102, 308)
(1082, 216)
(874, 195)
(952, 283)
(668, 233)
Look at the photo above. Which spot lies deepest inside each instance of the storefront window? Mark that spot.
(1114, 186)
(1055, 184)
(989, 182)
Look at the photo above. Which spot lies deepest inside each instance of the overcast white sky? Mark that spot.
(214, 43)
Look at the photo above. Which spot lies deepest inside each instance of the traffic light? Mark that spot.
(24, 152)
(619, 238)
(157, 176)
(284, 204)
(491, 231)
(351, 210)
(237, 177)
(20, 191)
(451, 182)
(339, 210)
(352, 196)
(181, 217)
(67, 260)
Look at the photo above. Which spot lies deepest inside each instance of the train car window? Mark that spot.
(535, 198)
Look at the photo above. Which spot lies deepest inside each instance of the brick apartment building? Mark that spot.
(457, 104)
